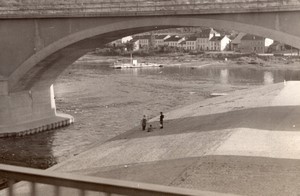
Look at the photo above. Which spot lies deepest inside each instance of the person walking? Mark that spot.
(144, 123)
(161, 120)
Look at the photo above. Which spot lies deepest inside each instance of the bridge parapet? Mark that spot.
(92, 8)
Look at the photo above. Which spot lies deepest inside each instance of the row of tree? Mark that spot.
(127, 48)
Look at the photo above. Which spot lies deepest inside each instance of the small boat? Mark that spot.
(134, 64)
(138, 65)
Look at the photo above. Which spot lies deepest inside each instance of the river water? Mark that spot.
(107, 102)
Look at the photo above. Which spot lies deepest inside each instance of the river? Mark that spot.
(106, 102)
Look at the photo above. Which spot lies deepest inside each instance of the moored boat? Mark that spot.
(134, 64)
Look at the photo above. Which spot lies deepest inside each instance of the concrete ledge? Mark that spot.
(29, 128)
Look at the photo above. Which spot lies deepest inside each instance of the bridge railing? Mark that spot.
(139, 7)
(85, 185)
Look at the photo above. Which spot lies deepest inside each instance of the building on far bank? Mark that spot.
(219, 43)
(159, 40)
(236, 42)
(121, 41)
(144, 41)
(204, 37)
(173, 41)
(190, 43)
(276, 47)
(252, 43)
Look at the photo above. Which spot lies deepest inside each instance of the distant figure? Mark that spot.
(150, 128)
(144, 123)
(161, 120)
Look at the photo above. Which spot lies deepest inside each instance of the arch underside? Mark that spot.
(54, 58)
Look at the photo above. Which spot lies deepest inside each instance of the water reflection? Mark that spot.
(224, 74)
(131, 71)
(268, 77)
(219, 75)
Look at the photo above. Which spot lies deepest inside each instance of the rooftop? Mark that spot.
(173, 39)
(191, 39)
(206, 32)
(216, 38)
(142, 37)
(252, 37)
(238, 38)
(160, 36)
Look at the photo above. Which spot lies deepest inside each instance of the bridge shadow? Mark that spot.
(273, 118)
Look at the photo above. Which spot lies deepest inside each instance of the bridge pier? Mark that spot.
(28, 112)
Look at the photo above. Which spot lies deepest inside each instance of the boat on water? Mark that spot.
(134, 64)
(137, 65)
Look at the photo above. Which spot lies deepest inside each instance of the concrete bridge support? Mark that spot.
(28, 112)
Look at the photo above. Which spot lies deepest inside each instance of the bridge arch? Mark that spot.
(75, 45)
(25, 94)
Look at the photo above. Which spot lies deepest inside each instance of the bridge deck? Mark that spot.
(92, 8)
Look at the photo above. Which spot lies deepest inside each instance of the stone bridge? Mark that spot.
(39, 39)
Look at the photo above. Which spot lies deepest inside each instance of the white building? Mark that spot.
(219, 43)
(159, 40)
(204, 37)
(121, 41)
(190, 43)
(173, 41)
(144, 41)
(126, 39)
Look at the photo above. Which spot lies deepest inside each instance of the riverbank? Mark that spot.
(106, 104)
(216, 59)
(101, 103)
(245, 143)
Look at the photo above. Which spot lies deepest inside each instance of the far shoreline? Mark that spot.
(217, 60)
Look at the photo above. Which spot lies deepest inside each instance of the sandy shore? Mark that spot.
(243, 143)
